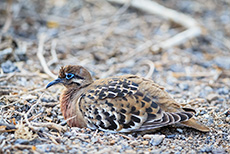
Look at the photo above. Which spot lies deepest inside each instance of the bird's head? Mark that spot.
(72, 76)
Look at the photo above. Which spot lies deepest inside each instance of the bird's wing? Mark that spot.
(122, 104)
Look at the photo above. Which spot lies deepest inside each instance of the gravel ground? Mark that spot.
(107, 40)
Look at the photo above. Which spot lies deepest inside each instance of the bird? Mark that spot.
(127, 103)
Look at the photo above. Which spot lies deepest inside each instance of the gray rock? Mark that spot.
(9, 67)
(179, 130)
(156, 139)
(21, 141)
(223, 62)
(219, 151)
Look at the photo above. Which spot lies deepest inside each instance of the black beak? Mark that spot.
(58, 80)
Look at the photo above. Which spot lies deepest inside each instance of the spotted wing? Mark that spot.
(120, 105)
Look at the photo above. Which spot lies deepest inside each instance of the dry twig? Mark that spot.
(42, 38)
(193, 29)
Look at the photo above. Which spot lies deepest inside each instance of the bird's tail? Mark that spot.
(196, 125)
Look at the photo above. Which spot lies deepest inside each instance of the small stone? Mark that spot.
(223, 91)
(212, 97)
(157, 139)
(9, 67)
(184, 86)
(179, 130)
(67, 134)
(219, 151)
(227, 119)
(2, 138)
(147, 136)
(145, 142)
(134, 143)
(223, 62)
(21, 141)
(171, 136)
(112, 142)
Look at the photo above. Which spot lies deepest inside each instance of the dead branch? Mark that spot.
(42, 38)
(9, 17)
(193, 29)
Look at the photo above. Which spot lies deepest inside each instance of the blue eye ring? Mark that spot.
(69, 76)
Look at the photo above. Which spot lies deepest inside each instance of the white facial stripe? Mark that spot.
(79, 81)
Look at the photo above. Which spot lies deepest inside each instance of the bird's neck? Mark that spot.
(69, 107)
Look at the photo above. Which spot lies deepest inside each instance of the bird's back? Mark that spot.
(129, 103)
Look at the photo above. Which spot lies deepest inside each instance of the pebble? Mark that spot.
(112, 142)
(212, 97)
(134, 143)
(2, 138)
(171, 136)
(227, 119)
(184, 86)
(157, 139)
(223, 91)
(9, 67)
(223, 62)
(145, 142)
(179, 130)
(218, 151)
(21, 141)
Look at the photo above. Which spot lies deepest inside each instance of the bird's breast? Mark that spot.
(70, 108)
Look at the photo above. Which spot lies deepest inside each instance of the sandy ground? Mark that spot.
(110, 39)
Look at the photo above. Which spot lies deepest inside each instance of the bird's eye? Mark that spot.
(69, 76)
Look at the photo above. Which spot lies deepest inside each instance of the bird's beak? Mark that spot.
(58, 80)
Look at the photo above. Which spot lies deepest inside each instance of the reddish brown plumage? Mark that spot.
(119, 104)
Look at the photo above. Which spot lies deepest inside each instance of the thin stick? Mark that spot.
(53, 53)
(40, 56)
(9, 17)
(193, 29)
(151, 68)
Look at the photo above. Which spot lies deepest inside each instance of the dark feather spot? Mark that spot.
(112, 109)
(111, 95)
(98, 117)
(102, 95)
(133, 88)
(122, 119)
(131, 123)
(113, 117)
(106, 114)
(113, 125)
(120, 94)
(123, 110)
(133, 109)
(102, 125)
(128, 105)
(154, 105)
(182, 116)
(125, 85)
(149, 109)
(125, 91)
(142, 104)
(146, 99)
(97, 91)
(159, 111)
(95, 111)
(134, 84)
(90, 97)
(124, 98)
(91, 91)
(151, 117)
(136, 113)
(165, 118)
(135, 119)
(139, 94)
(109, 104)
